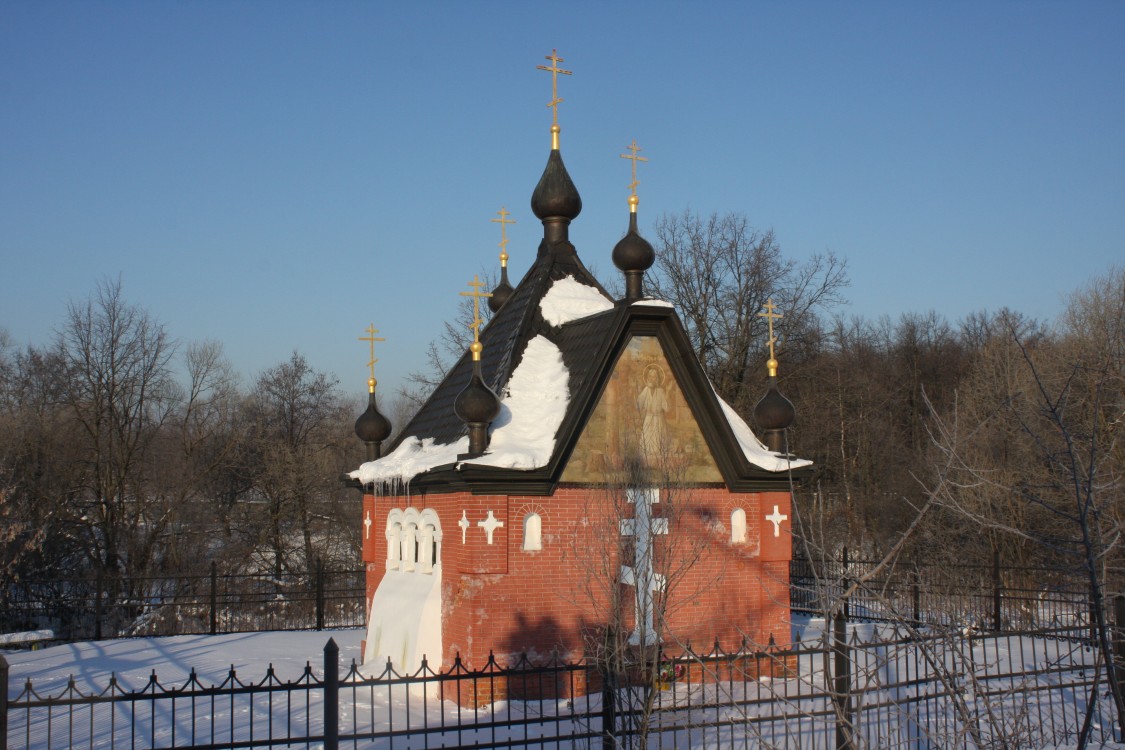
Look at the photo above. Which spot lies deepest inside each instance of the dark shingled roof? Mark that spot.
(504, 339)
(589, 347)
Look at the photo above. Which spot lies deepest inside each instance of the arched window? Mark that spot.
(431, 540)
(532, 533)
(394, 539)
(413, 540)
(409, 546)
(738, 526)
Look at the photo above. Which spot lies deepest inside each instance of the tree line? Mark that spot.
(126, 454)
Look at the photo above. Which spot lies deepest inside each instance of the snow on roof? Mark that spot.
(522, 436)
(653, 303)
(755, 452)
(569, 300)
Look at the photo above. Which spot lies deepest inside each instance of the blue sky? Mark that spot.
(276, 176)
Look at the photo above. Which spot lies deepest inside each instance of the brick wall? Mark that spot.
(502, 599)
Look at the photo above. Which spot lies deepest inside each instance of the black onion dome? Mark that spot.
(372, 427)
(556, 195)
(501, 293)
(476, 403)
(774, 411)
(633, 252)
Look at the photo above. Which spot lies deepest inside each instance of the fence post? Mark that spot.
(1119, 649)
(214, 599)
(98, 605)
(844, 578)
(331, 695)
(916, 596)
(319, 594)
(3, 703)
(841, 688)
(996, 590)
(609, 709)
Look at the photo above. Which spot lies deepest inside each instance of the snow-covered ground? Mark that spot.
(133, 660)
(1037, 681)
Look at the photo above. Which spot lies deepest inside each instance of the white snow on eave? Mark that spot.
(653, 303)
(755, 452)
(522, 436)
(568, 300)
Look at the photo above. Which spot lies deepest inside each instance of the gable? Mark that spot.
(642, 415)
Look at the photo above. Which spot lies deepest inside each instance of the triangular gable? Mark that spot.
(591, 348)
(641, 419)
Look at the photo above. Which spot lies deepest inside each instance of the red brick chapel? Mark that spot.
(574, 471)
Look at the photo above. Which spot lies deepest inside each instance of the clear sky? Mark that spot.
(276, 176)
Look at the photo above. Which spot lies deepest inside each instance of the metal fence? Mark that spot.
(865, 686)
(994, 597)
(98, 607)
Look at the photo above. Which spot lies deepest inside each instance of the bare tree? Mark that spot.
(719, 272)
(1063, 415)
(300, 428)
(119, 392)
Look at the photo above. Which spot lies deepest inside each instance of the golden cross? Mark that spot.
(634, 158)
(771, 316)
(476, 294)
(371, 330)
(554, 70)
(503, 221)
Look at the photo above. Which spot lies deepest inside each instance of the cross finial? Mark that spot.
(371, 330)
(633, 199)
(476, 294)
(503, 221)
(554, 70)
(771, 316)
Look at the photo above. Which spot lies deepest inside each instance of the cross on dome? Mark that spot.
(771, 316)
(633, 200)
(503, 221)
(478, 321)
(371, 330)
(554, 70)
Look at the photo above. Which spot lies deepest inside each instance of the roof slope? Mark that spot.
(573, 324)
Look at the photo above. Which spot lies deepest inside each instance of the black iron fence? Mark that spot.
(994, 597)
(99, 607)
(864, 686)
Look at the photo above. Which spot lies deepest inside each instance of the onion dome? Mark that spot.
(774, 414)
(477, 405)
(501, 293)
(633, 255)
(372, 427)
(504, 289)
(556, 197)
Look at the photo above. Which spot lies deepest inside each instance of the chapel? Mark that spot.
(575, 472)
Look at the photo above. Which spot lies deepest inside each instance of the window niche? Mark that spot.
(413, 540)
(738, 526)
(532, 533)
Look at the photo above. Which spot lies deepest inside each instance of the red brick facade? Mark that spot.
(502, 598)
